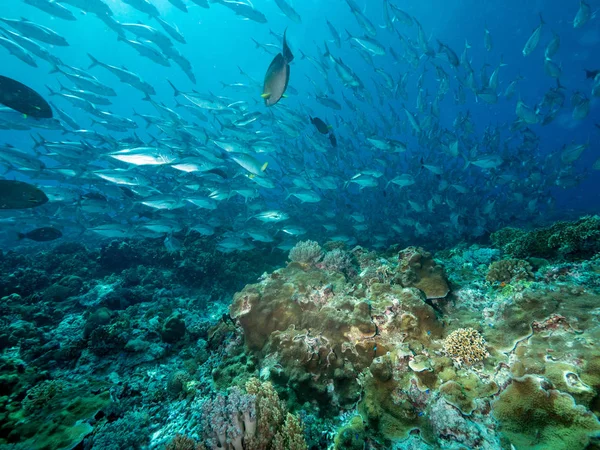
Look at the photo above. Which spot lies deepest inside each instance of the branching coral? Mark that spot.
(508, 270)
(465, 346)
(306, 252)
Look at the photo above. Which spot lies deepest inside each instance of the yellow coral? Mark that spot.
(465, 346)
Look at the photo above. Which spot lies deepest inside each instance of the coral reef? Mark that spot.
(507, 270)
(131, 346)
(306, 252)
(465, 346)
(418, 269)
(534, 417)
(562, 240)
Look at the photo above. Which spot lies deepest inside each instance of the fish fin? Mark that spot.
(264, 166)
(266, 95)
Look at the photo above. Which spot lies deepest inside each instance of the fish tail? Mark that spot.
(287, 53)
(39, 143)
(94, 63)
(176, 92)
(20, 236)
(55, 69)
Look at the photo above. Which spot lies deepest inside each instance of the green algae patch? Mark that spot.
(533, 418)
(351, 436)
(53, 416)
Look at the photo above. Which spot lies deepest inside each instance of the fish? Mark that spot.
(18, 51)
(37, 32)
(321, 126)
(179, 4)
(243, 9)
(143, 6)
(534, 39)
(334, 34)
(20, 195)
(52, 8)
(367, 43)
(487, 40)
(23, 99)
(277, 76)
(553, 46)
(332, 139)
(201, 3)
(248, 162)
(172, 30)
(142, 156)
(125, 76)
(42, 234)
(87, 83)
(272, 216)
(305, 196)
(97, 7)
(290, 12)
(552, 69)
(584, 13)
(32, 47)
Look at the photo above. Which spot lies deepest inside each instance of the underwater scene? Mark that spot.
(299, 225)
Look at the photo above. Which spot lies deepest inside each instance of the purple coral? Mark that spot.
(230, 421)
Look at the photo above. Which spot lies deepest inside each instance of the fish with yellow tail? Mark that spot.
(278, 75)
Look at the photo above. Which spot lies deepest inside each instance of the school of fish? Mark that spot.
(365, 156)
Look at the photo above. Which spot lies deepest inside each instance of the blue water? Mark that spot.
(218, 42)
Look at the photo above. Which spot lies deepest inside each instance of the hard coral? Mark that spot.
(508, 270)
(306, 252)
(563, 240)
(534, 417)
(416, 268)
(465, 346)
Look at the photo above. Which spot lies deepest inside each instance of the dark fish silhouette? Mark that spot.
(332, 139)
(22, 98)
(321, 126)
(20, 195)
(591, 73)
(278, 75)
(42, 234)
